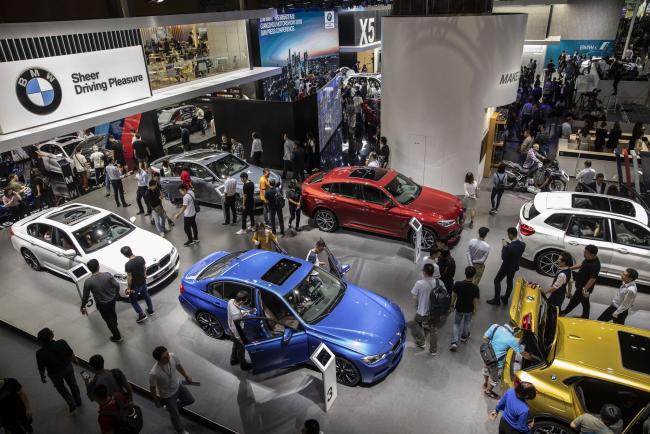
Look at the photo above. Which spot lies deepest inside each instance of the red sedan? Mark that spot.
(381, 201)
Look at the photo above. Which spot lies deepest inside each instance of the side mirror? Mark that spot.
(388, 204)
(70, 253)
(286, 337)
(345, 268)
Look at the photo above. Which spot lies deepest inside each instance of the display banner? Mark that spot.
(589, 47)
(359, 28)
(39, 91)
(329, 109)
(305, 45)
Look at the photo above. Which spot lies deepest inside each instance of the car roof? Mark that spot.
(596, 345)
(252, 265)
(562, 200)
(199, 155)
(68, 217)
(360, 174)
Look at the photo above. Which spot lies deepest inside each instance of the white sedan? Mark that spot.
(61, 238)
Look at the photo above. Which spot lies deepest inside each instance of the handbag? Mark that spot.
(487, 352)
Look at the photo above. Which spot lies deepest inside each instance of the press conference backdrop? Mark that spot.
(39, 91)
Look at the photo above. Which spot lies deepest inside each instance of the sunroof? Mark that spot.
(635, 352)
(281, 271)
(373, 173)
(73, 216)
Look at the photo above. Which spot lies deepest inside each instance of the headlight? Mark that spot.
(371, 360)
(120, 277)
(446, 223)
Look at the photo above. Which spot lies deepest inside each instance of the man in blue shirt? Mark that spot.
(514, 409)
(502, 338)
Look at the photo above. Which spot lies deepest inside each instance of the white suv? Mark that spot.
(568, 221)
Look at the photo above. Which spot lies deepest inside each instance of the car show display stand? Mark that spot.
(417, 246)
(79, 273)
(325, 360)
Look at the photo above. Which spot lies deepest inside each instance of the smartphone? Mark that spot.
(193, 383)
(85, 375)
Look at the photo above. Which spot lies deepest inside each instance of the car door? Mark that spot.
(49, 160)
(584, 230)
(202, 181)
(631, 244)
(170, 184)
(219, 292)
(640, 423)
(61, 247)
(376, 207)
(272, 350)
(40, 243)
(346, 202)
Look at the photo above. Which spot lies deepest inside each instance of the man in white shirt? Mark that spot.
(142, 175)
(230, 191)
(166, 388)
(200, 117)
(287, 156)
(237, 310)
(97, 160)
(318, 256)
(623, 300)
(434, 254)
(421, 292)
(477, 253)
(586, 175)
(567, 129)
(81, 167)
(189, 215)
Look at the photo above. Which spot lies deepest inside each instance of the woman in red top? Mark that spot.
(185, 177)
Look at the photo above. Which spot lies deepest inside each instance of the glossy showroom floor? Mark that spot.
(424, 394)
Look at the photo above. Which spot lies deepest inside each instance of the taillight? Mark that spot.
(527, 321)
(11, 231)
(181, 288)
(526, 230)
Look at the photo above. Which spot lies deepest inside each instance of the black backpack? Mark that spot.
(439, 299)
(487, 351)
(127, 418)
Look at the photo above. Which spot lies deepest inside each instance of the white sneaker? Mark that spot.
(240, 232)
(162, 234)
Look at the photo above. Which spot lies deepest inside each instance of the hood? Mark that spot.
(143, 243)
(432, 201)
(363, 322)
(255, 173)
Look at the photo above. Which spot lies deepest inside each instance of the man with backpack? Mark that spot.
(497, 339)
(116, 414)
(432, 301)
(114, 380)
(275, 201)
(498, 187)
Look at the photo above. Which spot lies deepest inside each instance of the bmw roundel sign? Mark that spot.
(38, 90)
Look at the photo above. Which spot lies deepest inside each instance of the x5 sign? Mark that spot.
(367, 31)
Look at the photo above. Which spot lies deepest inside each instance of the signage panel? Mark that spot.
(362, 27)
(39, 91)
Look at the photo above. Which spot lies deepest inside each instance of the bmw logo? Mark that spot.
(38, 90)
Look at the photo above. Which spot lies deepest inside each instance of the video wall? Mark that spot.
(329, 109)
(305, 45)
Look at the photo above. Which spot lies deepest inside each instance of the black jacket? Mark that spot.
(511, 254)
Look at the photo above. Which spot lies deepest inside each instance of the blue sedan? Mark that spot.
(297, 306)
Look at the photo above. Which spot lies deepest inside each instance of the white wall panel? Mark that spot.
(439, 76)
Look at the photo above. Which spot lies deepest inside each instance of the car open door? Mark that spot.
(271, 344)
(641, 423)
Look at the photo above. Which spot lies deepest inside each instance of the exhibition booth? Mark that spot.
(360, 37)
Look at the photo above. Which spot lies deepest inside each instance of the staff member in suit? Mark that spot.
(599, 186)
(510, 254)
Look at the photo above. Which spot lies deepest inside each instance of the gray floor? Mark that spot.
(422, 393)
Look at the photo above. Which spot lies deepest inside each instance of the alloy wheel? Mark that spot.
(346, 373)
(550, 428)
(557, 185)
(31, 260)
(210, 325)
(428, 238)
(163, 139)
(325, 220)
(547, 262)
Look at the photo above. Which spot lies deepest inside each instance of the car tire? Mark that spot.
(347, 373)
(210, 325)
(428, 238)
(557, 185)
(31, 260)
(545, 262)
(163, 139)
(549, 427)
(325, 220)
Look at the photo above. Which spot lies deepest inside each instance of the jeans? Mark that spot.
(107, 311)
(191, 230)
(138, 198)
(118, 190)
(181, 398)
(509, 274)
(496, 194)
(228, 208)
(99, 174)
(248, 211)
(160, 220)
(294, 213)
(133, 297)
(420, 333)
(72, 397)
(265, 212)
(277, 212)
(466, 320)
(607, 315)
(577, 299)
(107, 183)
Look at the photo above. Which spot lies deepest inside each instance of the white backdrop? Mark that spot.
(440, 75)
(104, 69)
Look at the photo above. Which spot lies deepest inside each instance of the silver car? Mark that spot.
(209, 169)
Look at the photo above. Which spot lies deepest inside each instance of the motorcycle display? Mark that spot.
(546, 177)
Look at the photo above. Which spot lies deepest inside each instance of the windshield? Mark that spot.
(403, 189)
(69, 148)
(102, 233)
(217, 267)
(316, 295)
(165, 117)
(227, 166)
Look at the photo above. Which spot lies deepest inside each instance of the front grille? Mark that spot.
(164, 261)
(397, 344)
(152, 269)
(159, 265)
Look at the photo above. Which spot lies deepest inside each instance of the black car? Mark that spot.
(170, 122)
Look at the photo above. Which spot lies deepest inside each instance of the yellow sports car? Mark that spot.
(577, 365)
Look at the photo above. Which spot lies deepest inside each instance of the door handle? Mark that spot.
(624, 251)
(573, 243)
